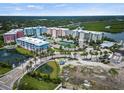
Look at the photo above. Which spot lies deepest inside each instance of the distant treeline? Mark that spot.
(71, 18)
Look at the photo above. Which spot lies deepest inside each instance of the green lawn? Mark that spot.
(57, 49)
(4, 70)
(56, 69)
(116, 26)
(50, 66)
(24, 51)
(29, 83)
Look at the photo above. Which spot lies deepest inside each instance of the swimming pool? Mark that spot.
(67, 44)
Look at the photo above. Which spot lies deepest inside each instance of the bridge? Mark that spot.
(8, 80)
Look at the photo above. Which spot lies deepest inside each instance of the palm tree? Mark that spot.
(96, 53)
(82, 54)
(100, 53)
(48, 51)
(86, 53)
(27, 68)
(40, 56)
(35, 59)
(105, 53)
(30, 63)
(113, 72)
(75, 55)
(91, 53)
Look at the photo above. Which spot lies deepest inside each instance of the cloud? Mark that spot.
(60, 5)
(62, 9)
(35, 7)
(18, 9)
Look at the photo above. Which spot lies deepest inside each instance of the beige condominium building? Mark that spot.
(56, 32)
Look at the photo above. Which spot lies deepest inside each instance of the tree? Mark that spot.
(27, 68)
(100, 53)
(91, 53)
(86, 54)
(83, 54)
(50, 51)
(105, 53)
(113, 72)
(60, 47)
(41, 53)
(40, 56)
(35, 59)
(30, 64)
(75, 54)
(96, 53)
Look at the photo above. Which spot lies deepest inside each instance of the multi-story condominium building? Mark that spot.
(87, 36)
(35, 31)
(57, 32)
(75, 33)
(12, 35)
(32, 43)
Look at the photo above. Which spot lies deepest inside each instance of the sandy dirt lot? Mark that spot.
(98, 78)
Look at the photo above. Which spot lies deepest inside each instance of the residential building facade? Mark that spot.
(32, 43)
(12, 35)
(35, 31)
(87, 36)
(57, 32)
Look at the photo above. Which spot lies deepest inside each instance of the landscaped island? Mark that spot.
(44, 78)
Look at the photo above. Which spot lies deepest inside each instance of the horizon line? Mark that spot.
(62, 15)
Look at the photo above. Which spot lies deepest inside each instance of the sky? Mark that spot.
(61, 9)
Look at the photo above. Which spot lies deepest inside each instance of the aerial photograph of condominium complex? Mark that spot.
(61, 46)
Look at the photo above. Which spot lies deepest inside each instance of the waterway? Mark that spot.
(115, 36)
(11, 57)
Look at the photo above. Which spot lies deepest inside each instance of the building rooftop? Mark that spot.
(107, 44)
(13, 31)
(35, 41)
(58, 28)
(87, 31)
(34, 27)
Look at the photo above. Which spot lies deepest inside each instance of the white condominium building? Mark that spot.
(87, 36)
(32, 43)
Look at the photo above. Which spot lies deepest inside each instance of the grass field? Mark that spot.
(24, 51)
(116, 26)
(29, 83)
(55, 69)
(4, 70)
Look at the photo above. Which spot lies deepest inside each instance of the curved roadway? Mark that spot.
(7, 81)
